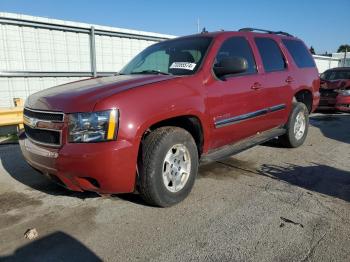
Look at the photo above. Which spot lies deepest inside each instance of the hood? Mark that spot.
(335, 84)
(82, 96)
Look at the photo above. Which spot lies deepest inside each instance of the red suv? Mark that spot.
(196, 98)
(335, 89)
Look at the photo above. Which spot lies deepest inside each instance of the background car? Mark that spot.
(335, 89)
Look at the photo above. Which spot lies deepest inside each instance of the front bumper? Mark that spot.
(106, 168)
(327, 102)
(343, 103)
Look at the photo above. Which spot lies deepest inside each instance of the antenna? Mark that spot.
(198, 25)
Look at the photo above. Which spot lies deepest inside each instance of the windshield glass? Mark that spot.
(175, 57)
(336, 75)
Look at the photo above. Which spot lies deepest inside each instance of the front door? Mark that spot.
(235, 101)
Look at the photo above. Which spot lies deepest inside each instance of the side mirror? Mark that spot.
(230, 65)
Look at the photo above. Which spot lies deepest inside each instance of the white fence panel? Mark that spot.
(325, 62)
(37, 53)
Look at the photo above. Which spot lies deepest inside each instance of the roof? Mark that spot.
(339, 69)
(244, 32)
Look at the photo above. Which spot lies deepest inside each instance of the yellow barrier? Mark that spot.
(11, 116)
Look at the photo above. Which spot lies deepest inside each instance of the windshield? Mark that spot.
(336, 75)
(175, 57)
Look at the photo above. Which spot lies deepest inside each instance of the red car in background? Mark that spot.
(335, 89)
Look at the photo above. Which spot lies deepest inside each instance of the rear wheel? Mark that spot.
(169, 166)
(297, 126)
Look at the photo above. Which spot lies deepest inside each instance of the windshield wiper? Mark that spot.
(151, 72)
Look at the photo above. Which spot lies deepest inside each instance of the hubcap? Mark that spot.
(176, 168)
(299, 126)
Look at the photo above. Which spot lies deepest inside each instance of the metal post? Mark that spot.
(93, 52)
(344, 63)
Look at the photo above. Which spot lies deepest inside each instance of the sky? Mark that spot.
(322, 24)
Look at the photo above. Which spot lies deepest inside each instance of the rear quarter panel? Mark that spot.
(304, 78)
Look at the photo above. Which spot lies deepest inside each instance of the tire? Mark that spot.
(294, 139)
(160, 183)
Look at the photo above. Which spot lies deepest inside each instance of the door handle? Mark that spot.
(256, 86)
(289, 79)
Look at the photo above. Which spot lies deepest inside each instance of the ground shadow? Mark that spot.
(15, 165)
(57, 246)
(275, 143)
(327, 111)
(333, 126)
(228, 168)
(132, 198)
(318, 178)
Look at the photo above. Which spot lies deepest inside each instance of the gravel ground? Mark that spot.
(265, 204)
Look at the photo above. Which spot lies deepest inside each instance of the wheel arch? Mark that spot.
(193, 123)
(304, 96)
(190, 122)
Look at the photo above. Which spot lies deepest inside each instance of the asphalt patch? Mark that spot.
(16, 200)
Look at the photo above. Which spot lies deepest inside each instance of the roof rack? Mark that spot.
(249, 29)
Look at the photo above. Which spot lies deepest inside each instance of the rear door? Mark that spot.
(276, 80)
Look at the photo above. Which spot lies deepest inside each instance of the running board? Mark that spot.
(238, 147)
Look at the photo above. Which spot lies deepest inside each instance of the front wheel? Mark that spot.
(169, 166)
(297, 126)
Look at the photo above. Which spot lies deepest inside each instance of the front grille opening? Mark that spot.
(48, 116)
(328, 93)
(43, 136)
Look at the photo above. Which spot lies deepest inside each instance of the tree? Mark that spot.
(312, 50)
(344, 48)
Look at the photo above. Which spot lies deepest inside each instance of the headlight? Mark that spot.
(93, 127)
(344, 92)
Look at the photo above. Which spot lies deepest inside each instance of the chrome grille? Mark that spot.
(43, 127)
(43, 115)
(43, 136)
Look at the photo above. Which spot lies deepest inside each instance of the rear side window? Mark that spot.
(271, 54)
(237, 47)
(300, 54)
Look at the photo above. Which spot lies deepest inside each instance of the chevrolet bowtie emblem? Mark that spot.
(29, 121)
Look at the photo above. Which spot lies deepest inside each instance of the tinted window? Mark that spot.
(271, 54)
(237, 47)
(158, 60)
(336, 74)
(300, 54)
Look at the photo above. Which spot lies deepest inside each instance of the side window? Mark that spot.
(271, 54)
(300, 54)
(237, 47)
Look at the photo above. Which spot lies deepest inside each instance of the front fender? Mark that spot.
(141, 107)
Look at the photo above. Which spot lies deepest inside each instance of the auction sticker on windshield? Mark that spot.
(183, 65)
